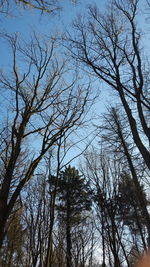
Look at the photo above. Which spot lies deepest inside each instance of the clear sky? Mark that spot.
(25, 21)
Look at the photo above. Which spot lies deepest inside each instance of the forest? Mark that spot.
(74, 133)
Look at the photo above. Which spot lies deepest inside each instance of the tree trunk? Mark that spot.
(3, 220)
(68, 234)
(134, 176)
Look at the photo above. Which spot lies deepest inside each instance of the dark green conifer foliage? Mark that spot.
(128, 203)
(73, 202)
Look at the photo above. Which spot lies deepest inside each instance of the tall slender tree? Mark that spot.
(109, 46)
(73, 203)
(42, 107)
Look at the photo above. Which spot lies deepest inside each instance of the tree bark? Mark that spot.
(68, 234)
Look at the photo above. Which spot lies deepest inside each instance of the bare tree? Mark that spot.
(42, 106)
(12, 253)
(117, 137)
(110, 47)
(44, 6)
(116, 235)
(36, 220)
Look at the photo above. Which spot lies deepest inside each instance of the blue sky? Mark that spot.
(25, 21)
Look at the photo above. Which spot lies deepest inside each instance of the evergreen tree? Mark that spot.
(72, 203)
(129, 209)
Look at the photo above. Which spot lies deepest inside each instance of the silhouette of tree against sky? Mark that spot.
(43, 105)
(43, 6)
(74, 199)
(109, 47)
